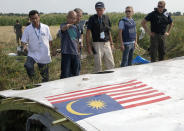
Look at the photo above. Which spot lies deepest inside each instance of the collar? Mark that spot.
(155, 9)
(35, 27)
(126, 18)
(99, 16)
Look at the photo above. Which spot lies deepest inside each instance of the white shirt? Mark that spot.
(38, 43)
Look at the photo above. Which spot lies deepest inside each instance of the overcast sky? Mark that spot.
(63, 6)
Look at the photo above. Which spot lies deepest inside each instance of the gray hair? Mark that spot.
(129, 7)
(78, 10)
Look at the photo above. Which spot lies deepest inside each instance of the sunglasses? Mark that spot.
(159, 6)
(127, 11)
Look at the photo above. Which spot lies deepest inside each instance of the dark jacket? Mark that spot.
(97, 26)
(159, 21)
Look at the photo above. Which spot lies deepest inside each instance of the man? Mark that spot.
(18, 31)
(159, 20)
(128, 37)
(80, 29)
(99, 25)
(79, 26)
(38, 39)
(70, 35)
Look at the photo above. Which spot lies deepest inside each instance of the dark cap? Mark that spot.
(99, 5)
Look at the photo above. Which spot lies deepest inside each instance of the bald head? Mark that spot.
(71, 17)
(161, 6)
(162, 3)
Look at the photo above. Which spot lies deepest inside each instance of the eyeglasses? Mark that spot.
(127, 11)
(159, 6)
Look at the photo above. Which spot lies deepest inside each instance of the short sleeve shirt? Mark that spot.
(159, 21)
(122, 24)
(70, 40)
(38, 43)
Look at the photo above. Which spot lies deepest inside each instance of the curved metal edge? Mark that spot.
(17, 103)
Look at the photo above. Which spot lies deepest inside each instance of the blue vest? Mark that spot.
(129, 32)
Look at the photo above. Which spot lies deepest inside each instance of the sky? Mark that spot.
(63, 6)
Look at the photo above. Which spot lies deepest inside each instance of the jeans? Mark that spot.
(127, 55)
(70, 65)
(44, 69)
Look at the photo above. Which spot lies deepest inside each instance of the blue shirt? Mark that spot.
(70, 40)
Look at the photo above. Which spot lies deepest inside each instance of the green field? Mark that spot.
(13, 75)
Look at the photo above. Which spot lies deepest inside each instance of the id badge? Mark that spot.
(102, 35)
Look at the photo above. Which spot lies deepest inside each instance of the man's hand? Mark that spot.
(152, 34)
(166, 34)
(135, 44)
(66, 27)
(112, 46)
(25, 48)
(88, 42)
(122, 47)
(89, 50)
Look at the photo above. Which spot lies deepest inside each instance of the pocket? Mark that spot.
(163, 37)
(107, 44)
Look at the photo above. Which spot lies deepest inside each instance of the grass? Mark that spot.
(13, 74)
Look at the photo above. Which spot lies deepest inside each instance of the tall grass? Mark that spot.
(13, 74)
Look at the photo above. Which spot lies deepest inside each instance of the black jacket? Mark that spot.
(96, 26)
(159, 21)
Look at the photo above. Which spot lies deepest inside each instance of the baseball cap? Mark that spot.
(99, 5)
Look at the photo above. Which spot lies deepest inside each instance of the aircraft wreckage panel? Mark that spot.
(143, 97)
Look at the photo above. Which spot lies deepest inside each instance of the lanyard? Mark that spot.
(100, 20)
(37, 35)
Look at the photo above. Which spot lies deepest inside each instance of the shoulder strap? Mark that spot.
(121, 20)
(105, 17)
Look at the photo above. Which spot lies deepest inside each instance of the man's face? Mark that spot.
(35, 19)
(100, 11)
(79, 16)
(129, 12)
(161, 7)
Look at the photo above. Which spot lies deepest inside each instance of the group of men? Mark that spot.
(37, 39)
